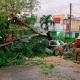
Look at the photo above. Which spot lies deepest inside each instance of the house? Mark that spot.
(59, 26)
(74, 30)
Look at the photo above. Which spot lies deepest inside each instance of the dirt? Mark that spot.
(64, 70)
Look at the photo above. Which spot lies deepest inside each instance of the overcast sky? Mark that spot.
(55, 7)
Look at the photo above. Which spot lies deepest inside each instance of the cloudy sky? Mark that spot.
(55, 7)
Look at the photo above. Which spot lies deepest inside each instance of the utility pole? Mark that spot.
(70, 20)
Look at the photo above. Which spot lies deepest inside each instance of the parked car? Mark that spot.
(57, 46)
(57, 43)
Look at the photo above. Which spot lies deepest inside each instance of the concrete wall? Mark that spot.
(75, 24)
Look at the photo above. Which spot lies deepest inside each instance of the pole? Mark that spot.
(70, 19)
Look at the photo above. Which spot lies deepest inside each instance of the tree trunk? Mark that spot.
(25, 24)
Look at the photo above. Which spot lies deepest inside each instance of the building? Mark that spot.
(74, 29)
(62, 24)
(59, 26)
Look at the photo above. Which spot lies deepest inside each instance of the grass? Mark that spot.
(45, 68)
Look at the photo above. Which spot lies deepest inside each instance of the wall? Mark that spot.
(75, 24)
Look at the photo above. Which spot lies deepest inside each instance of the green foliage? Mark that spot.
(12, 5)
(10, 54)
(60, 36)
(5, 58)
(39, 51)
(69, 39)
(35, 49)
(4, 23)
(53, 34)
(15, 52)
(4, 26)
(30, 20)
(25, 32)
(40, 39)
(46, 18)
(19, 62)
(19, 50)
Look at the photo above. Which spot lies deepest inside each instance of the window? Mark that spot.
(76, 35)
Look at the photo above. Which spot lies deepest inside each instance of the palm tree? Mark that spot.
(46, 20)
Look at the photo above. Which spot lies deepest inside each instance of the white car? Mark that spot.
(55, 45)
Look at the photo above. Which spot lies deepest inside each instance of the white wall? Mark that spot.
(60, 27)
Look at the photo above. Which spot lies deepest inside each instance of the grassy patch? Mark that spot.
(45, 68)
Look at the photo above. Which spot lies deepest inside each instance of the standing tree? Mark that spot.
(12, 7)
(33, 5)
(15, 6)
(45, 20)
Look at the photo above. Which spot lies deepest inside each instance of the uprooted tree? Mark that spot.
(10, 22)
